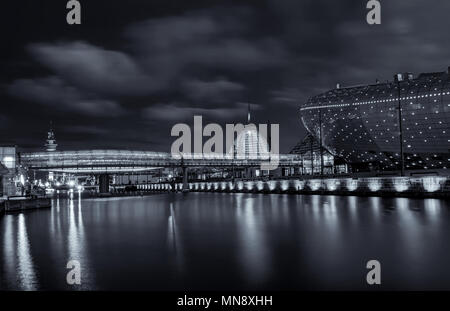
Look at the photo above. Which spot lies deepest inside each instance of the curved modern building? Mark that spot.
(361, 124)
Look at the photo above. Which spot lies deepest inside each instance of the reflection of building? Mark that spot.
(7, 170)
(361, 124)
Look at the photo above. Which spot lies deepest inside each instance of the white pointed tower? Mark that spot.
(51, 140)
(249, 144)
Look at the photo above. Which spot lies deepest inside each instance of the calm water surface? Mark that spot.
(213, 241)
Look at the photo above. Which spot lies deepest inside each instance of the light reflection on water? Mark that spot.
(18, 267)
(252, 239)
(9, 251)
(228, 241)
(26, 271)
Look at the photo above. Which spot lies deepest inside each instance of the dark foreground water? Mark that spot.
(213, 241)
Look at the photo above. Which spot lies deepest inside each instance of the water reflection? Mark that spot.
(228, 241)
(253, 249)
(375, 204)
(174, 241)
(9, 251)
(76, 241)
(433, 209)
(25, 269)
(19, 268)
(351, 201)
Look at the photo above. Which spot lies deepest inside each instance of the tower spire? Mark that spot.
(51, 140)
(248, 114)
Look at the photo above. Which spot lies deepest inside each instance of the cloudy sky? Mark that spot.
(134, 68)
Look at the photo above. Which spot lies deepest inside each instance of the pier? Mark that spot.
(21, 203)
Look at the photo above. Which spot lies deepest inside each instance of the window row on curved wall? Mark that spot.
(361, 124)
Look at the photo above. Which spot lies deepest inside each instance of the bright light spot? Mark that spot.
(432, 184)
(352, 184)
(314, 184)
(285, 185)
(401, 185)
(250, 185)
(272, 185)
(299, 185)
(8, 162)
(260, 186)
(374, 185)
(332, 184)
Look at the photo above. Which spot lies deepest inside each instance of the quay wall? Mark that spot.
(427, 186)
(15, 205)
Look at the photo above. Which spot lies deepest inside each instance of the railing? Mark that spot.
(119, 159)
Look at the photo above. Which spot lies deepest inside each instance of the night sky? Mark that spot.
(133, 68)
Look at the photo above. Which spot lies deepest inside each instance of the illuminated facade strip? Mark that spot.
(375, 101)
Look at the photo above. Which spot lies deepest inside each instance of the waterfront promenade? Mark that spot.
(425, 187)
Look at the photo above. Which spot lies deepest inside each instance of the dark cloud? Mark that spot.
(217, 91)
(94, 68)
(177, 112)
(205, 39)
(3, 121)
(53, 93)
(122, 81)
(83, 129)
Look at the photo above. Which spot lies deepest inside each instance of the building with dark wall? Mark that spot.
(3, 171)
(361, 124)
(7, 170)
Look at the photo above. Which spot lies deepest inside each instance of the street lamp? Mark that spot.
(398, 79)
(320, 139)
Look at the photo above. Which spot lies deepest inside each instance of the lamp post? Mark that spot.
(398, 78)
(320, 143)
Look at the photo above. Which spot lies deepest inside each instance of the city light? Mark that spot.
(314, 184)
(352, 184)
(375, 185)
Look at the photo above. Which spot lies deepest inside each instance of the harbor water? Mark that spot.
(228, 241)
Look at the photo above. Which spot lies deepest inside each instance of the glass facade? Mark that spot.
(310, 152)
(8, 157)
(7, 170)
(250, 144)
(361, 124)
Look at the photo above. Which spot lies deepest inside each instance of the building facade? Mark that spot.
(362, 125)
(8, 160)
